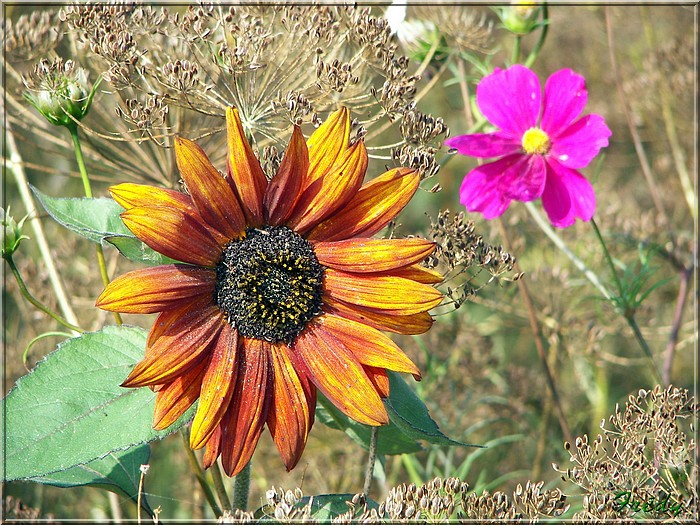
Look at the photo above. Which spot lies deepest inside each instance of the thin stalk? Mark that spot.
(515, 57)
(88, 193)
(15, 165)
(371, 459)
(543, 36)
(537, 333)
(627, 312)
(200, 476)
(676, 326)
(241, 488)
(35, 302)
(220, 487)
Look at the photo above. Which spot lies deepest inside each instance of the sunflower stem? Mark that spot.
(200, 476)
(220, 487)
(241, 488)
(88, 193)
(371, 459)
(35, 302)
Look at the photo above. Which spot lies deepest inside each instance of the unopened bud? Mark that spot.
(520, 17)
(11, 233)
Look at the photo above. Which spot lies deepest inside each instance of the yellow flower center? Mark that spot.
(536, 141)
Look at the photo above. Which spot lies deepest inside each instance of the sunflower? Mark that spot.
(280, 290)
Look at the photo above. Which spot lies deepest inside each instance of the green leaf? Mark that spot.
(119, 472)
(135, 250)
(71, 410)
(94, 219)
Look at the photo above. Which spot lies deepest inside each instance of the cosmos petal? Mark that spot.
(577, 145)
(372, 255)
(524, 181)
(327, 144)
(179, 348)
(370, 346)
(176, 397)
(217, 387)
(213, 448)
(151, 290)
(248, 409)
(479, 191)
(332, 191)
(173, 233)
(372, 208)
(485, 145)
(339, 375)
(130, 195)
(288, 418)
(210, 192)
(567, 196)
(379, 379)
(565, 97)
(386, 293)
(401, 324)
(284, 189)
(245, 175)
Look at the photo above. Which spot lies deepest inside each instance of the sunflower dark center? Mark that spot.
(269, 284)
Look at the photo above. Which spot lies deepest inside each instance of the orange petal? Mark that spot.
(213, 448)
(370, 346)
(372, 208)
(401, 324)
(179, 348)
(174, 233)
(170, 315)
(379, 379)
(331, 191)
(176, 397)
(150, 290)
(381, 292)
(247, 412)
(245, 175)
(327, 144)
(283, 190)
(419, 273)
(130, 195)
(210, 192)
(288, 418)
(372, 255)
(217, 387)
(339, 375)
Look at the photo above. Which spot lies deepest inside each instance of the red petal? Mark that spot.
(213, 448)
(372, 255)
(379, 379)
(175, 398)
(283, 190)
(401, 324)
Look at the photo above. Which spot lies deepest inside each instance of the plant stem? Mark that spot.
(371, 459)
(540, 42)
(241, 488)
(515, 58)
(686, 274)
(88, 193)
(199, 474)
(15, 166)
(29, 297)
(220, 487)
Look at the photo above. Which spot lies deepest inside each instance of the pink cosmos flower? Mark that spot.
(541, 143)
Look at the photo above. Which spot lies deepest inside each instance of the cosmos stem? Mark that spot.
(88, 193)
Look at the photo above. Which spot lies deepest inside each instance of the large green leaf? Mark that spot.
(71, 410)
(119, 472)
(135, 250)
(94, 219)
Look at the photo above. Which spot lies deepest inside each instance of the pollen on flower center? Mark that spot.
(269, 284)
(536, 141)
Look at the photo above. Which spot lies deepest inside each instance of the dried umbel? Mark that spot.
(642, 465)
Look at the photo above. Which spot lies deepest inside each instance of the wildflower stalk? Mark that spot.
(540, 42)
(625, 307)
(241, 488)
(220, 487)
(88, 193)
(15, 166)
(681, 300)
(200, 476)
(515, 57)
(29, 297)
(371, 459)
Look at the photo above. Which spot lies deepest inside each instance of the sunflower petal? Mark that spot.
(173, 233)
(420, 274)
(379, 379)
(247, 412)
(332, 191)
(168, 316)
(339, 375)
(210, 192)
(381, 292)
(288, 419)
(370, 346)
(372, 255)
(413, 324)
(371, 209)
(176, 397)
(213, 448)
(283, 190)
(327, 144)
(130, 195)
(179, 348)
(155, 289)
(217, 387)
(245, 175)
